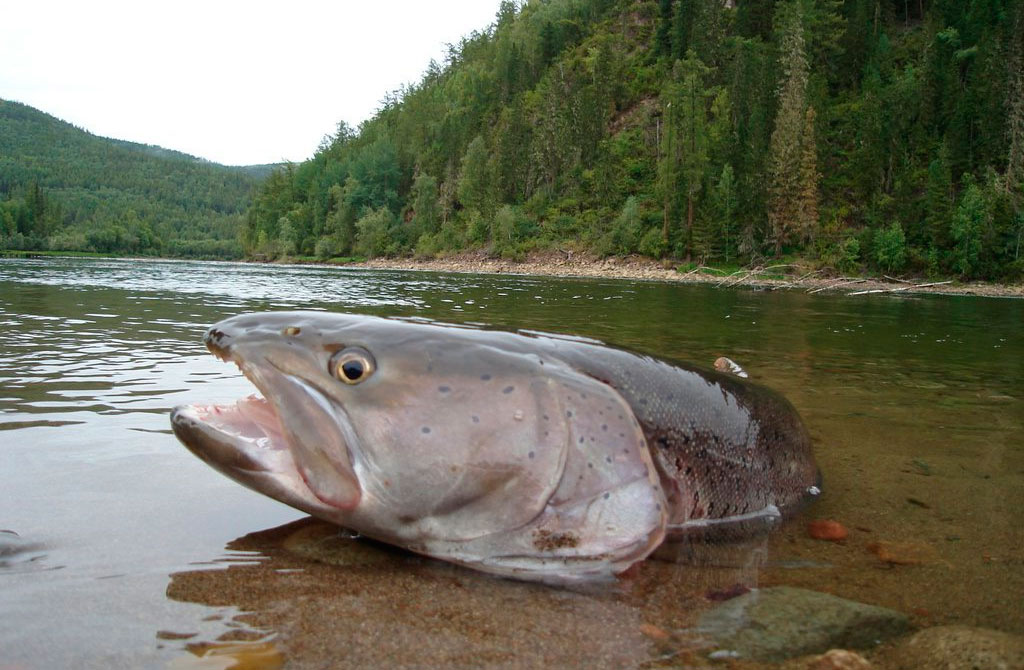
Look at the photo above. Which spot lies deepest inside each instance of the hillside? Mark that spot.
(860, 135)
(64, 189)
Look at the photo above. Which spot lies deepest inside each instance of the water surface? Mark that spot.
(133, 553)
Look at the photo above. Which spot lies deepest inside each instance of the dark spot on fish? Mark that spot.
(444, 389)
(590, 465)
(622, 435)
(583, 395)
(485, 377)
(643, 401)
(546, 417)
(531, 455)
(607, 495)
(508, 389)
(581, 439)
(476, 419)
(604, 426)
(568, 413)
(608, 459)
(425, 429)
(546, 540)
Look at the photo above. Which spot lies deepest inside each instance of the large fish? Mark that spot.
(527, 455)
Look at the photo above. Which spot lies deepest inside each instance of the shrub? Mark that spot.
(890, 249)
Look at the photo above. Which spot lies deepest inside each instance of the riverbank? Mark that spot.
(770, 277)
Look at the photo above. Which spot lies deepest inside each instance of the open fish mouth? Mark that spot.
(289, 441)
(250, 426)
(244, 439)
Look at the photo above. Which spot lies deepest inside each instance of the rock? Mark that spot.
(957, 648)
(902, 553)
(836, 659)
(826, 529)
(782, 622)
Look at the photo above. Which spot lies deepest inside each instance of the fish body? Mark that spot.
(522, 454)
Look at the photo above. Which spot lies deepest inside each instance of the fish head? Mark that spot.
(406, 432)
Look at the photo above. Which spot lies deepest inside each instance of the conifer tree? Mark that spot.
(939, 200)
(1014, 179)
(807, 202)
(784, 153)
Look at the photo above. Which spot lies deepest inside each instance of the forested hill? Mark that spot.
(64, 189)
(879, 135)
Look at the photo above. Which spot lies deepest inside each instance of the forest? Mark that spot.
(63, 189)
(882, 136)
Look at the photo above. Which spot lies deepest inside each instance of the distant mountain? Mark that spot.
(63, 188)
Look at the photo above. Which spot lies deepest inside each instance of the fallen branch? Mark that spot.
(841, 282)
(901, 288)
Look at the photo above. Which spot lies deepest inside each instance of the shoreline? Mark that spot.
(645, 269)
(636, 268)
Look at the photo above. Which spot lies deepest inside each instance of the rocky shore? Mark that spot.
(769, 277)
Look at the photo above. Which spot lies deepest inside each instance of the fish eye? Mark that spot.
(352, 365)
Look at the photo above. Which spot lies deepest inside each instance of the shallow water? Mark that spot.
(133, 553)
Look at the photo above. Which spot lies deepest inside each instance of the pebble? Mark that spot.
(827, 529)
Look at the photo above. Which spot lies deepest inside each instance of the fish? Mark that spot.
(528, 455)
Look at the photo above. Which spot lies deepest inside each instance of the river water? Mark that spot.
(132, 553)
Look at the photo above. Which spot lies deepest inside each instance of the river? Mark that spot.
(131, 553)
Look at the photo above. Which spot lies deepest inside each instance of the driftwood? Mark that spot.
(901, 288)
(843, 281)
(745, 275)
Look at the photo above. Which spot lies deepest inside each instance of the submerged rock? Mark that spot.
(833, 659)
(958, 648)
(777, 623)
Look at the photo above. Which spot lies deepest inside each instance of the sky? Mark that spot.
(238, 83)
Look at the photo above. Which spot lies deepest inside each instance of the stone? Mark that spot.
(837, 659)
(957, 648)
(782, 622)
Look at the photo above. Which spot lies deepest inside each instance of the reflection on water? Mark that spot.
(388, 608)
(915, 404)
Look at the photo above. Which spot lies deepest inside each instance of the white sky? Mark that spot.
(238, 83)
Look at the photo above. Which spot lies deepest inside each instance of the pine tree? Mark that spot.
(1015, 107)
(474, 184)
(663, 33)
(938, 201)
(966, 230)
(784, 154)
(426, 212)
(725, 204)
(807, 202)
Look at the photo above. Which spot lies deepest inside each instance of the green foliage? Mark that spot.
(966, 230)
(64, 189)
(377, 233)
(719, 132)
(890, 248)
(626, 232)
